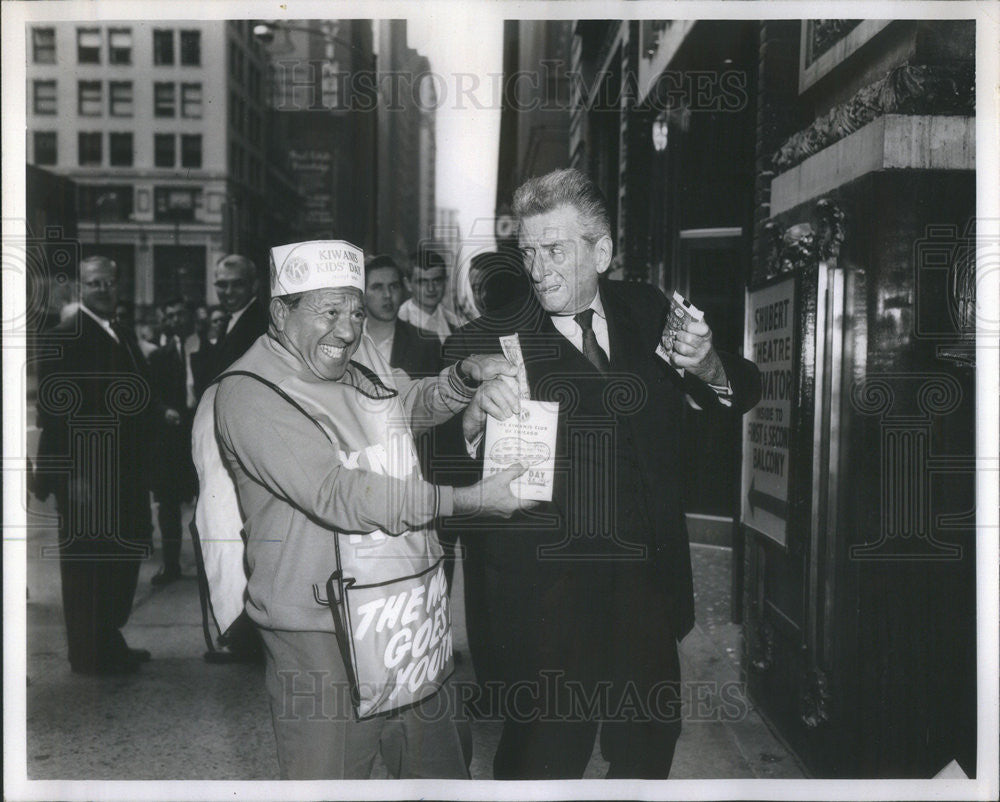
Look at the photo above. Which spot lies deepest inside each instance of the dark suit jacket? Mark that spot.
(615, 522)
(173, 473)
(416, 352)
(96, 387)
(252, 323)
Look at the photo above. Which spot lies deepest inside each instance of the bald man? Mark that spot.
(99, 385)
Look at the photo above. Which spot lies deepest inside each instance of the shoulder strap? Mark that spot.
(381, 391)
(276, 389)
(339, 573)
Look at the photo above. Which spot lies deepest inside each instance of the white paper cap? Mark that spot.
(316, 265)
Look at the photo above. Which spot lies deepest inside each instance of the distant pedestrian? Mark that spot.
(173, 476)
(402, 345)
(427, 282)
(237, 284)
(95, 411)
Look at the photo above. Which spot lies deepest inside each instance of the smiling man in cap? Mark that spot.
(317, 432)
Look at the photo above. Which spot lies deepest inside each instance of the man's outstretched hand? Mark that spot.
(492, 496)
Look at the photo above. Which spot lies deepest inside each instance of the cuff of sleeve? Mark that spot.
(457, 385)
(445, 501)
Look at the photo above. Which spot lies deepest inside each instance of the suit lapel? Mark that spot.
(624, 338)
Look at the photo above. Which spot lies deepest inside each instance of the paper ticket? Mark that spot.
(681, 311)
(511, 346)
(527, 437)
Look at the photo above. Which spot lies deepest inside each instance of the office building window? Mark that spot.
(120, 98)
(89, 98)
(163, 47)
(175, 205)
(190, 100)
(191, 48)
(88, 45)
(44, 97)
(164, 150)
(43, 45)
(164, 100)
(120, 150)
(45, 147)
(89, 148)
(191, 150)
(110, 201)
(120, 46)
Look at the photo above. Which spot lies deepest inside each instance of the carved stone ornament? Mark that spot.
(805, 243)
(907, 89)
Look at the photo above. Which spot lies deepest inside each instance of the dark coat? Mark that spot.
(100, 389)
(173, 474)
(251, 324)
(582, 584)
(415, 352)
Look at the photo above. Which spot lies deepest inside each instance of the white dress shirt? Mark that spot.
(567, 326)
(384, 347)
(441, 322)
(236, 316)
(100, 321)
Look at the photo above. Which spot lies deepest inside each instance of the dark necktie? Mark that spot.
(591, 348)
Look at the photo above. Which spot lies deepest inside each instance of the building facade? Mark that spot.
(161, 126)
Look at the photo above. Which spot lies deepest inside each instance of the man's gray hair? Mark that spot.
(240, 262)
(567, 187)
(100, 260)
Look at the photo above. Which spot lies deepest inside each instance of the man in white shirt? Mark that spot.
(402, 345)
(427, 284)
(237, 282)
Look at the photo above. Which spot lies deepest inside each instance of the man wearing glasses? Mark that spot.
(95, 412)
(427, 283)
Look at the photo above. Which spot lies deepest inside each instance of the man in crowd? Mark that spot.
(237, 284)
(427, 283)
(98, 384)
(496, 280)
(202, 359)
(174, 479)
(588, 601)
(401, 345)
(324, 464)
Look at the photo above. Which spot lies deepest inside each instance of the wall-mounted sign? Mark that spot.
(769, 340)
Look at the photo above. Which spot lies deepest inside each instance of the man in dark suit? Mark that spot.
(174, 478)
(237, 283)
(403, 346)
(588, 595)
(94, 410)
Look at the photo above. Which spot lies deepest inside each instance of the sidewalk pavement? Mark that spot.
(181, 718)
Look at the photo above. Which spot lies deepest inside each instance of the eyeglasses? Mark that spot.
(99, 284)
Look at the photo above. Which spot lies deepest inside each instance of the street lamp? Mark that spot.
(264, 32)
(660, 132)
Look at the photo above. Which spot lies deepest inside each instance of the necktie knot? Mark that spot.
(591, 348)
(585, 320)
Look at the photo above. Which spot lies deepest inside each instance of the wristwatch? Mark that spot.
(466, 378)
